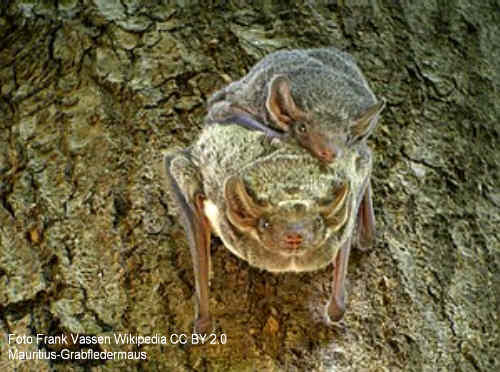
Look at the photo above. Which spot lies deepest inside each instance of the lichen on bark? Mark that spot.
(92, 93)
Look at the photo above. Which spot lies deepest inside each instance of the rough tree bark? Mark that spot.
(93, 91)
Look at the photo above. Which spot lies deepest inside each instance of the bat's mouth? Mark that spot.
(292, 245)
(292, 241)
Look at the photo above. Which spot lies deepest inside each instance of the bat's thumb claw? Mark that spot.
(335, 310)
(203, 325)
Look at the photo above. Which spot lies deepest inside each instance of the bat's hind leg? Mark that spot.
(336, 307)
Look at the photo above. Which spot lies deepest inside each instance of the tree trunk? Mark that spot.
(92, 93)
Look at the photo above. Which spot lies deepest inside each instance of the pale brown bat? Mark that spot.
(271, 203)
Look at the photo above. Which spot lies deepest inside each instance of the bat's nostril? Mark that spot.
(293, 240)
(327, 155)
(293, 236)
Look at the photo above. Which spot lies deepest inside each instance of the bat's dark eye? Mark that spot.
(264, 224)
(301, 128)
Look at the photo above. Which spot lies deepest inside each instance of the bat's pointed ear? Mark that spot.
(242, 211)
(280, 103)
(336, 211)
(363, 125)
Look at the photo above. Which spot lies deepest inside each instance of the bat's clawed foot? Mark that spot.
(365, 244)
(203, 325)
(335, 309)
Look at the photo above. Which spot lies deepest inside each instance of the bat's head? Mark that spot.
(290, 230)
(319, 129)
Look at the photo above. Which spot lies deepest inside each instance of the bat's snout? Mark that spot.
(292, 240)
(325, 149)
